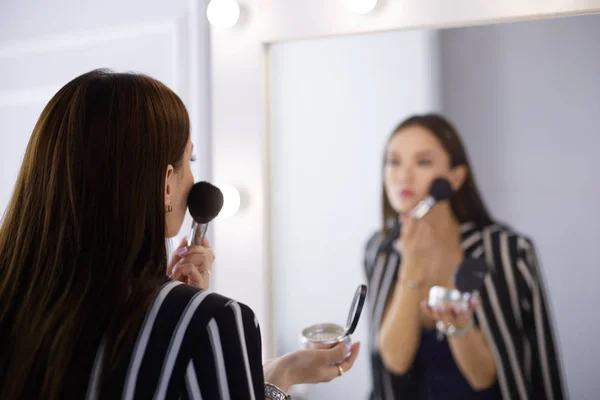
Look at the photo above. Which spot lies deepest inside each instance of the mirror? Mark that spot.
(524, 98)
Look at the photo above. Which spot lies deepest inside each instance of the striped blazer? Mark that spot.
(514, 314)
(193, 344)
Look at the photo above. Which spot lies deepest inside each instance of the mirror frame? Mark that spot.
(240, 111)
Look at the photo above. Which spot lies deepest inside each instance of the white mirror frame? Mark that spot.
(240, 110)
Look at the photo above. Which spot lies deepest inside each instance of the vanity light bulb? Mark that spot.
(223, 14)
(231, 200)
(360, 6)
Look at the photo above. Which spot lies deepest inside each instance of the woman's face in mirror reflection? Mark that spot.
(414, 158)
(178, 183)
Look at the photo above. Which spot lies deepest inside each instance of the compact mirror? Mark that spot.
(356, 309)
(328, 335)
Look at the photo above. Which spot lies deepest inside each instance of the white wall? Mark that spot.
(334, 102)
(526, 98)
(43, 45)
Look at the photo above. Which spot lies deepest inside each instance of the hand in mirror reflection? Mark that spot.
(422, 245)
(192, 265)
(310, 366)
(451, 316)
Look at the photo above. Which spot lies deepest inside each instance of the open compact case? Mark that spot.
(451, 298)
(328, 335)
(468, 279)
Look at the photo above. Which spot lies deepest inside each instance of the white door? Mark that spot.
(43, 45)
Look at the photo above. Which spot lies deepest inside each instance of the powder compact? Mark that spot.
(328, 335)
(468, 278)
(452, 298)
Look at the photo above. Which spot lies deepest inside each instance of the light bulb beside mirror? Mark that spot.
(223, 14)
(232, 200)
(360, 6)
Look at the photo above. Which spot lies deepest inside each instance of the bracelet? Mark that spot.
(409, 283)
(272, 392)
(453, 331)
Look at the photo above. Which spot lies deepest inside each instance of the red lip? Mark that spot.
(405, 193)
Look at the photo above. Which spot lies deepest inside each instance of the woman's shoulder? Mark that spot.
(504, 236)
(184, 323)
(512, 252)
(198, 306)
(380, 239)
(374, 240)
(375, 244)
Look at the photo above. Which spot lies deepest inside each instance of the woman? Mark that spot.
(503, 347)
(87, 309)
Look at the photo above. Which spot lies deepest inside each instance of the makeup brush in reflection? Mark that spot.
(204, 202)
(440, 190)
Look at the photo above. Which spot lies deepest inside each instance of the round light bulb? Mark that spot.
(360, 6)
(223, 14)
(231, 200)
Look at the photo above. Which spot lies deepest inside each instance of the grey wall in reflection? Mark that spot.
(526, 97)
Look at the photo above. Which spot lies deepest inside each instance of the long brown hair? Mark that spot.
(467, 204)
(82, 243)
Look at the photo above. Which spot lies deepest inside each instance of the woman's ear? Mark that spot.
(458, 176)
(168, 185)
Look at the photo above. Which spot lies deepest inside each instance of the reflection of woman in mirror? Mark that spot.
(503, 347)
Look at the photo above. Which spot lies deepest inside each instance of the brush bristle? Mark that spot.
(205, 202)
(441, 189)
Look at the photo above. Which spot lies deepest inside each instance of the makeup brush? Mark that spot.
(204, 202)
(440, 190)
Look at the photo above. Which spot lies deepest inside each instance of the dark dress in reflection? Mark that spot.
(513, 316)
(438, 376)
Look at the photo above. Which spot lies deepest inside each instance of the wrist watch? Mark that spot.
(272, 392)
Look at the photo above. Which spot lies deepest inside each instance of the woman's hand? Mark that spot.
(417, 246)
(192, 265)
(310, 366)
(430, 253)
(417, 239)
(451, 316)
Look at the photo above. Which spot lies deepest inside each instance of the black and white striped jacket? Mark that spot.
(514, 315)
(193, 344)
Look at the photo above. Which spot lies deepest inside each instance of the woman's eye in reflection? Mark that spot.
(392, 162)
(193, 158)
(425, 163)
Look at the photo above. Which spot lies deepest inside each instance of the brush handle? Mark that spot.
(197, 233)
(423, 207)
